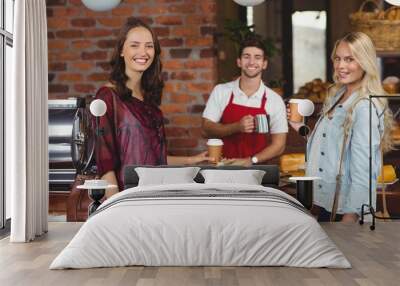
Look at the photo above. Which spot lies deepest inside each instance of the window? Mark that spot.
(9, 15)
(309, 46)
(6, 60)
(250, 16)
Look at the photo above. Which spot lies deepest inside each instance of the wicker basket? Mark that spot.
(383, 27)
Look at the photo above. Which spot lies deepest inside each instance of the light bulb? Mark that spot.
(98, 108)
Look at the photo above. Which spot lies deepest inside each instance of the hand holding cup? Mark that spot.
(298, 108)
(247, 124)
(199, 158)
(293, 114)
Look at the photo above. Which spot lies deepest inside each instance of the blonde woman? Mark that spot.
(339, 144)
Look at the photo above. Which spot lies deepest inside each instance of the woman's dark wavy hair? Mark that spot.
(151, 82)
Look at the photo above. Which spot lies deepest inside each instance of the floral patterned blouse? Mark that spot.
(132, 134)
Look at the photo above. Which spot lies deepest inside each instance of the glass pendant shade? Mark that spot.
(101, 5)
(249, 2)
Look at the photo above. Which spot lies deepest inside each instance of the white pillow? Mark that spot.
(164, 176)
(249, 177)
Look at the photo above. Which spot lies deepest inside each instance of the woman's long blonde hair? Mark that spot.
(364, 53)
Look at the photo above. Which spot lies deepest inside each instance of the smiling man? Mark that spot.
(232, 107)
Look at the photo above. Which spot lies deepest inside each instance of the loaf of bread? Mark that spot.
(315, 90)
(299, 173)
(391, 14)
(391, 84)
(293, 162)
(395, 134)
(387, 175)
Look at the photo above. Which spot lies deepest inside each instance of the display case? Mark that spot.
(392, 188)
(389, 64)
(388, 200)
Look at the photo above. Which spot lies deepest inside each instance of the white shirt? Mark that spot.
(275, 107)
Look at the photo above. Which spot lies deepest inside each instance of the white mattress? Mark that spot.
(189, 230)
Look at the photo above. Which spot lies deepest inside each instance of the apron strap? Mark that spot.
(231, 98)
(264, 101)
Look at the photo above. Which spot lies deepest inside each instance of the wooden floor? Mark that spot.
(374, 255)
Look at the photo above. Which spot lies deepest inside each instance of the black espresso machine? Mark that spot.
(71, 142)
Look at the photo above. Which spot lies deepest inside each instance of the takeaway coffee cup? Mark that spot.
(295, 116)
(261, 123)
(215, 149)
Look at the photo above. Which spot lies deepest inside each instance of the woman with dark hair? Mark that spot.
(133, 128)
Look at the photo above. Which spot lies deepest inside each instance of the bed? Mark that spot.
(201, 224)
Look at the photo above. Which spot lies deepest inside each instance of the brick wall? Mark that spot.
(81, 41)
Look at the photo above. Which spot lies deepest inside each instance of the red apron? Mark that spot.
(243, 145)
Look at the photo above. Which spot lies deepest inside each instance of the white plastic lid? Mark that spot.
(215, 142)
(96, 183)
(295, 100)
(304, 178)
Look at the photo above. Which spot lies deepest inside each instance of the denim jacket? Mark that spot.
(324, 151)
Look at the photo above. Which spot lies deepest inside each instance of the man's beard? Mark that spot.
(251, 75)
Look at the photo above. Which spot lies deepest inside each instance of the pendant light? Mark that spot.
(394, 2)
(101, 5)
(249, 2)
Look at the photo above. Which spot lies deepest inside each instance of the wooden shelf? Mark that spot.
(387, 54)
